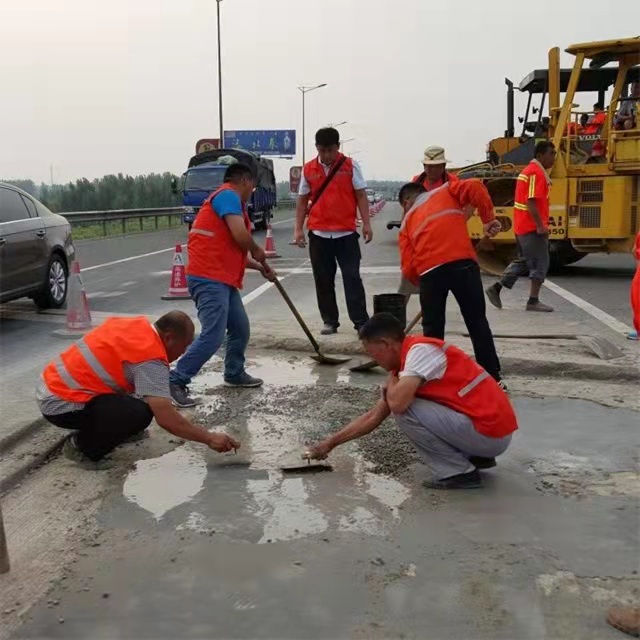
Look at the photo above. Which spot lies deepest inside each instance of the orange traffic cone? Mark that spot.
(178, 286)
(270, 245)
(78, 314)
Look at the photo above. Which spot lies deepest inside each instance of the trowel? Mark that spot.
(309, 467)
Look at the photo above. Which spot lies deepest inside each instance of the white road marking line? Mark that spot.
(274, 224)
(250, 297)
(142, 255)
(106, 294)
(587, 307)
(129, 283)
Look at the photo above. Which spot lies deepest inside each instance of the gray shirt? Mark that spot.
(150, 378)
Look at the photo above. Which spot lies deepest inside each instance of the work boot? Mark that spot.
(328, 330)
(625, 619)
(71, 451)
(180, 396)
(243, 380)
(469, 480)
(539, 306)
(503, 386)
(483, 463)
(493, 294)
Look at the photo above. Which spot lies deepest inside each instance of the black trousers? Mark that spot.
(105, 422)
(462, 278)
(326, 254)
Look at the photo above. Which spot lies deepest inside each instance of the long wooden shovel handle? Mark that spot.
(295, 312)
(414, 322)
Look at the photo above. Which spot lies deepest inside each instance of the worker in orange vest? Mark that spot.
(436, 253)
(220, 248)
(454, 413)
(108, 386)
(332, 190)
(596, 121)
(434, 175)
(635, 292)
(531, 228)
(435, 172)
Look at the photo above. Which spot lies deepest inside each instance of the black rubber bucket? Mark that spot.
(393, 303)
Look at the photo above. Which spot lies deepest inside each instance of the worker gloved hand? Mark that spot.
(319, 451)
(222, 443)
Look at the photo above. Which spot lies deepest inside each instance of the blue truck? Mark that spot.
(206, 172)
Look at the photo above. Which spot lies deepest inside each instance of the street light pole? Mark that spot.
(304, 90)
(220, 77)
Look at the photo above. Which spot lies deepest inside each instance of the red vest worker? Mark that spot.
(332, 190)
(455, 414)
(89, 388)
(436, 253)
(219, 245)
(531, 226)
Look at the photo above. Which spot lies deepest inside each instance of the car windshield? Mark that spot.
(202, 180)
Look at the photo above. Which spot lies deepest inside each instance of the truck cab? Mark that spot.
(206, 174)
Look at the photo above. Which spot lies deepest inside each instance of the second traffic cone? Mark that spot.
(270, 245)
(178, 285)
(78, 314)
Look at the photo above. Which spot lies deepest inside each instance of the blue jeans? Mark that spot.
(221, 313)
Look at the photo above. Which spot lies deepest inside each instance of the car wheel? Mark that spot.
(54, 289)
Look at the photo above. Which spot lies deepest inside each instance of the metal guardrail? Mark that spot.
(123, 216)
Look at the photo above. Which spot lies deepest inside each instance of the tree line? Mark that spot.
(135, 192)
(109, 192)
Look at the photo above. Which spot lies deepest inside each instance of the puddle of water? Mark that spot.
(161, 484)
(286, 509)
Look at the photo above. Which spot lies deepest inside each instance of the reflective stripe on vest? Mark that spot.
(94, 364)
(203, 232)
(473, 384)
(420, 200)
(435, 216)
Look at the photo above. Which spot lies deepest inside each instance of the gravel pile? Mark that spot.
(318, 411)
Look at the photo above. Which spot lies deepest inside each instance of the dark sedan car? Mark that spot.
(35, 250)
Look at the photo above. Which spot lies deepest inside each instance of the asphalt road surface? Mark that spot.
(130, 274)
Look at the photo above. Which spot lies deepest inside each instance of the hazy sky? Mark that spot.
(101, 86)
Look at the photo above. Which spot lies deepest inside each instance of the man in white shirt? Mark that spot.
(332, 190)
(449, 407)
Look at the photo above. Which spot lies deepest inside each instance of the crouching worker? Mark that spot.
(451, 409)
(108, 386)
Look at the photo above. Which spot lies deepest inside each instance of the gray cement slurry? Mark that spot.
(196, 545)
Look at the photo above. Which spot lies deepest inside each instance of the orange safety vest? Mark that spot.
(422, 179)
(93, 366)
(434, 231)
(337, 207)
(594, 124)
(468, 389)
(213, 253)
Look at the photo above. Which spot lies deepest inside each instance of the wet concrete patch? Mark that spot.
(201, 545)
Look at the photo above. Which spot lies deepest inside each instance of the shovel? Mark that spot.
(372, 364)
(320, 357)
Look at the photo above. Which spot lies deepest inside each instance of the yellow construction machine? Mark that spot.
(595, 189)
